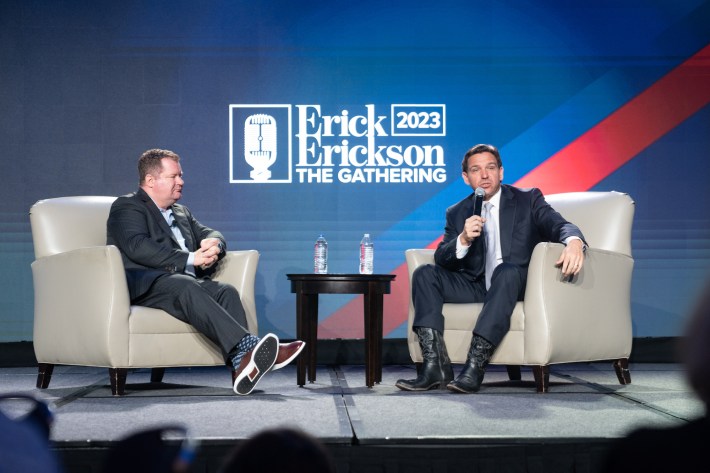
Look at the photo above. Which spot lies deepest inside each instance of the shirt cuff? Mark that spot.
(569, 239)
(461, 250)
(190, 265)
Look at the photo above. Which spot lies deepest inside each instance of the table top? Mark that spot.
(340, 277)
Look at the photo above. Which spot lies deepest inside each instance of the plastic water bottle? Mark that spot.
(367, 254)
(320, 256)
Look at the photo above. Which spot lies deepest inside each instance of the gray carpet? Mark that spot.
(585, 402)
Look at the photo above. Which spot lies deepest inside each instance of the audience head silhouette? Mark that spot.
(151, 451)
(695, 350)
(280, 449)
(681, 447)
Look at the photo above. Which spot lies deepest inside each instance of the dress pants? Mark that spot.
(432, 286)
(212, 307)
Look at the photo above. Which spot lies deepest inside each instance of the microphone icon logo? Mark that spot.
(260, 145)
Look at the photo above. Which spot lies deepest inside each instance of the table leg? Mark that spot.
(312, 315)
(307, 329)
(302, 333)
(378, 325)
(373, 338)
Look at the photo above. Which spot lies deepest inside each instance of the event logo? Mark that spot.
(358, 146)
(260, 145)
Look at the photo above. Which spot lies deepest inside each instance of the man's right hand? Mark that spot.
(206, 257)
(472, 229)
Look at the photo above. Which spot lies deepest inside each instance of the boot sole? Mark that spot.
(432, 387)
(456, 389)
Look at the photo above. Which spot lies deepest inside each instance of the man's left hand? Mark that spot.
(572, 258)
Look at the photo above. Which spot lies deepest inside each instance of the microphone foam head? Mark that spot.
(480, 192)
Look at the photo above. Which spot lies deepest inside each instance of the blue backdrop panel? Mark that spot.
(300, 118)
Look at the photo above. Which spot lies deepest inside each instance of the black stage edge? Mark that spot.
(394, 352)
(564, 455)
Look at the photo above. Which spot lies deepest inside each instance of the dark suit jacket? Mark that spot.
(148, 246)
(526, 219)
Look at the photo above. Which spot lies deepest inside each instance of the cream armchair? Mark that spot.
(586, 319)
(83, 314)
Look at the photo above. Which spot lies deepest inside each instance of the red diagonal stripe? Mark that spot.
(624, 134)
(577, 167)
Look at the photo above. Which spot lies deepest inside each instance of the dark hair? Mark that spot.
(280, 449)
(150, 162)
(480, 149)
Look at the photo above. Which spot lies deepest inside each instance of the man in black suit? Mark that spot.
(513, 222)
(169, 256)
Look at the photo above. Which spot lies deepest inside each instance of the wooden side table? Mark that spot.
(307, 287)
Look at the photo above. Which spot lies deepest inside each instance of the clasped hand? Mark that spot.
(208, 254)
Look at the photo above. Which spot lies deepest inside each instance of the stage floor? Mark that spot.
(585, 409)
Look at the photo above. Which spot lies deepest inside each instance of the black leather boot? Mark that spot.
(470, 379)
(436, 371)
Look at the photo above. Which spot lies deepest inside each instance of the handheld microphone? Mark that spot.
(478, 196)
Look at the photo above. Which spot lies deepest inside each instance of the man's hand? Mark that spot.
(572, 258)
(472, 229)
(208, 254)
(210, 243)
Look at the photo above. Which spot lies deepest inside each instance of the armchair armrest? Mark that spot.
(418, 257)
(73, 325)
(585, 319)
(238, 268)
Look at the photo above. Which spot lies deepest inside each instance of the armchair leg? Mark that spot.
(542, 378)
(44, 375)
(118, 380)
(156, 375)
(621, 366)
(514, 372)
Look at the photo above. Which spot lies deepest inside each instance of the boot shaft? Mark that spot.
(480, 352)
(428, 343)
(440, 346)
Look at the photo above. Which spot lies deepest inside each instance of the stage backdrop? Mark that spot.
(296, 118)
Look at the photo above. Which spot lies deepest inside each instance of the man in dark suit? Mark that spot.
(169, 256)
(483, 259)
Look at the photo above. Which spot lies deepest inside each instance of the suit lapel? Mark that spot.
(507, 221)
(157, 216)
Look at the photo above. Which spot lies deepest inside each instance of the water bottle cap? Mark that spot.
(367, 234)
